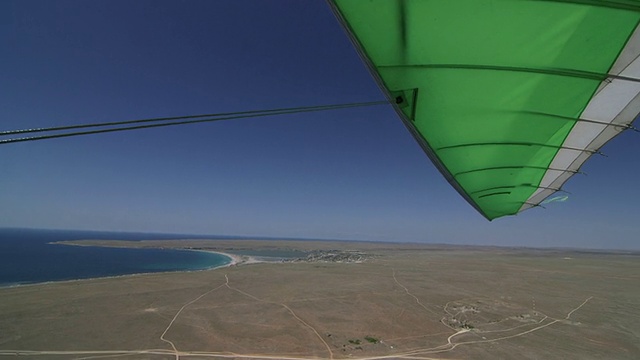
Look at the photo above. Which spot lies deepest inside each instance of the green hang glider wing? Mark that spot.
(507, 97)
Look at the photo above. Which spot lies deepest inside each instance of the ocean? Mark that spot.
(26, 257)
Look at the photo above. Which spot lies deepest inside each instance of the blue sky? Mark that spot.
(347, 174)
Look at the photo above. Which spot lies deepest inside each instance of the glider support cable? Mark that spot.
(171, 121)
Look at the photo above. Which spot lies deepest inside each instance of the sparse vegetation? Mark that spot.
(356, 301)
(371, 339)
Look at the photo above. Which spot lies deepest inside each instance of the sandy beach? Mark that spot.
(236, 260)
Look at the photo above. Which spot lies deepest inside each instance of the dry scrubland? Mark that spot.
(405, 301)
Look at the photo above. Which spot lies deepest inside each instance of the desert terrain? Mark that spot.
(388, 301)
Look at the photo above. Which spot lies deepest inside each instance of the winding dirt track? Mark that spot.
(414, 354)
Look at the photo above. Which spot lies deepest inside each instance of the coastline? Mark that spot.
(234, 260)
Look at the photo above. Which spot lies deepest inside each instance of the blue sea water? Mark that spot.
(27, 257)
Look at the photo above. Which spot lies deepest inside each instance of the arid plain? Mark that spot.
(395, 301)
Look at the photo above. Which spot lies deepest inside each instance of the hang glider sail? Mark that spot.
(507, 97)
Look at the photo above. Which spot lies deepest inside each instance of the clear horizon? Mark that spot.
(203, 236)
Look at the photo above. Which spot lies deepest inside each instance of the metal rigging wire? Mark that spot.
(171, 121)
